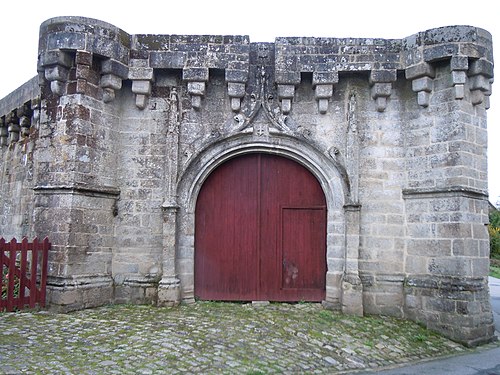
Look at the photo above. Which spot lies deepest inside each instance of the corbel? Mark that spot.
(196, 84)
(12, 127)
(24, 117)
(236, 85)
(480, 74)
(422, 76)
(285, 96)
(55, 67)
(35, 111)
(381, 86)
(236, 91)
(142, 77)
(112, 75)
(459, 66)
(323, 84)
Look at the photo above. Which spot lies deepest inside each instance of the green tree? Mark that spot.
(494, 231)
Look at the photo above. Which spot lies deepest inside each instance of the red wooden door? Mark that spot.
(260, 232)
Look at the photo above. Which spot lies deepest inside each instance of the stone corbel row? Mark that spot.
(479, 72)
(381, 86)
(17, 123)
(323, 83)
(197, 78)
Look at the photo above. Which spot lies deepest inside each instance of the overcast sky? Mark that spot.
(262, 20)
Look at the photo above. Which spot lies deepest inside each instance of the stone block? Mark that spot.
(141, 87)
(111, 81)
(480, 82)
(196, 88)
(195, 74)
(286, 91)
(83, 58)
(420, 70)
(422, 84)
(381, 90)
(236, 90)
(140, 73)
(325, 78)
(382, 76)
(167, 59)
(323, 91)
(56, 73)
(458, 77)
(441, 51)
(117, 68)
(287, 78)
(459, 62)
(234, 75)
(56, 57)
(481, 67)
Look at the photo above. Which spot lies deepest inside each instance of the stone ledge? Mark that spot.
(93, 191)
(452, 191)
(446, 283)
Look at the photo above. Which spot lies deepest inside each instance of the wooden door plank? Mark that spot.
(226, 226)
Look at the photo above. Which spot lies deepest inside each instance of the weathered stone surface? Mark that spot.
(106, 150)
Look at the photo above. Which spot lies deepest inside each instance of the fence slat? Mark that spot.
(22, 273)
(12, 248)
(34, 264)
(28, 272)
(43, 273)
(3, 303)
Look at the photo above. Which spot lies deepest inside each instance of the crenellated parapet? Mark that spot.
(19, 113)
(68, 42)
(81, 45)
(467, 50)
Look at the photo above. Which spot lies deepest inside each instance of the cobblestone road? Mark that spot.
(209, 338)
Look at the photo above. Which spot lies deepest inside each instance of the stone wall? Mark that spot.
(124, 129)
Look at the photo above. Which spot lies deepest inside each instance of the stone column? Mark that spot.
(169, 286)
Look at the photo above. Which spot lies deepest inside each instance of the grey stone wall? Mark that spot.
(125, 129)
(20, 112)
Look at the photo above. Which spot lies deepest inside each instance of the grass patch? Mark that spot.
(421, 337)
(495, 271)
(326, 315)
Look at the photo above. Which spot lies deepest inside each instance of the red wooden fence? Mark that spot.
(24, 273)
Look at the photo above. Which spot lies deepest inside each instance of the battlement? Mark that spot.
(88, 56)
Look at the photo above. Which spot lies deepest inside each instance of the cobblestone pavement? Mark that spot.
(210, 338)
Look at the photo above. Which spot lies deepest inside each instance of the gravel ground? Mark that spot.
(210, 338)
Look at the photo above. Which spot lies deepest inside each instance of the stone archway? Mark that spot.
(326, 170)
